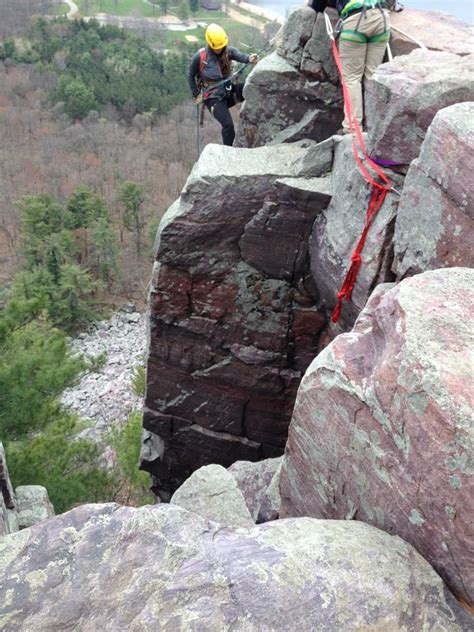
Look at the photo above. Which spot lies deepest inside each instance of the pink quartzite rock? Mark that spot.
(233, 322)
(253, 480)
(382, 429)
(436, 31)
(435, 221)
(293, 93)
(403, 97)
(337, 230)
(111, 568)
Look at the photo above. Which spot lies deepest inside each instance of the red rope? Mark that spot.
(379, 191)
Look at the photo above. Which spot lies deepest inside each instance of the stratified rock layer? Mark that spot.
(293, 93)
(233, 322)
(403, 97)
(435, 221)
(382, 428)
(105, 567)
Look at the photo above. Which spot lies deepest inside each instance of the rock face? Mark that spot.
(403, 97)
(233, 322)
(337, 230)
(21, 508)
(382, 428)
(211, 492)
(435, 222)
(293, 93)
(253, 480)
(87, 570)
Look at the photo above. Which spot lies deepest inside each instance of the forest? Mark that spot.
(97, 139)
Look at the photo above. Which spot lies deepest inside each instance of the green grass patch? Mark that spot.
(60, 9)
(134, 8)
(246, 38)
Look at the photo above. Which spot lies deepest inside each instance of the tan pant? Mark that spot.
(361, 51)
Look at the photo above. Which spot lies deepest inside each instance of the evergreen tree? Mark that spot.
(67, 466)
(78, 98)
(85, 207)
(72, 301)
(132, 196)
(183, 10)
(194, 5)
(35, 367)
(104, 250)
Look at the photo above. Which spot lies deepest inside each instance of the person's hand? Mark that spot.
(253, 58)
(198, 100)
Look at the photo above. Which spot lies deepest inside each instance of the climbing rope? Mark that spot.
(379, 188)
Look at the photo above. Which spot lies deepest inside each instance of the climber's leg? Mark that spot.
(221, 113)
(352, 51)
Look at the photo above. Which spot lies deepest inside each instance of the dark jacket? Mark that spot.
(212, 70)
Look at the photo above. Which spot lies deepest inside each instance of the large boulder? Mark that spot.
(435, 221)
(293, 93)
(253, 480)
(233, 322)
(337, 230)
(403, 97)
(382, 428)
(105, 567)
(442, 32)
(212, 493)
(33, 505)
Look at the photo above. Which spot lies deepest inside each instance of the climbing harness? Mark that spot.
(379, 189)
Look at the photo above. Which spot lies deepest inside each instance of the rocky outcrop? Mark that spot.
(87, 570)
(232, 307)
(435, 221)
(253, 480)
(212, 492)
(293, 93)
(404, 96)
(382, 427)
(21, 508)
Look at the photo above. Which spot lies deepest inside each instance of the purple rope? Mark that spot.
(388, 163)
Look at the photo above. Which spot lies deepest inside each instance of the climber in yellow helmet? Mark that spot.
(211, 66)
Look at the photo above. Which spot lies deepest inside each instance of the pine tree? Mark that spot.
(132, 196)
(183, 10)
(194, 5)
(104, 250)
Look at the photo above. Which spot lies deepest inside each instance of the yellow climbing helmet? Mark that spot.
(216, 37)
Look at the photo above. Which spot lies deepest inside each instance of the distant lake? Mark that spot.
(462, 9)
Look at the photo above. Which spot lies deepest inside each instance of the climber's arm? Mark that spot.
(236, 55)
(193, 74)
